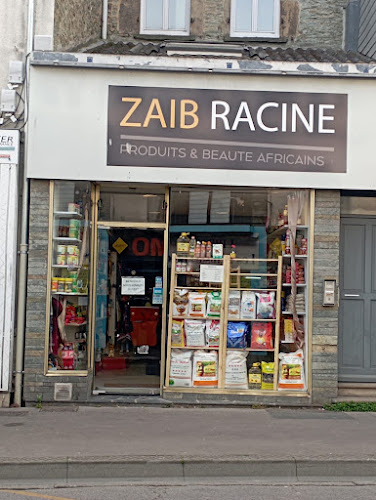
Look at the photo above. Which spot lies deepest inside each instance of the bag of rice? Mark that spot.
(197, 304)
(177, 333)
(291, 371)
(266, 305)
(212, 332)
(194, 332)
(267, 380)
(236, 335)
(236, 370)
(205, 369)
(180, 368)
(234, 304)
(248, 305)
(262, 336)
(180, 303)
(214, 305)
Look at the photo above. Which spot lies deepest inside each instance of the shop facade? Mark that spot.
(122, 165)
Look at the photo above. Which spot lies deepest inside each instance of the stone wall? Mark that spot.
(77, 22)
(325, 319)
(35, 382)
(304, 23)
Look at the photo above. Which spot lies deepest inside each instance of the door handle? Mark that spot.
(352, 295)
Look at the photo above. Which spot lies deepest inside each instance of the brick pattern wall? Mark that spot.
(325, 319)
(77, 23)
(35, 382)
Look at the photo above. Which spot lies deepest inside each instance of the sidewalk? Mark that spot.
(68, 444)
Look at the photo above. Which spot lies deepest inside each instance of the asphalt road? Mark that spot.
(201, 492)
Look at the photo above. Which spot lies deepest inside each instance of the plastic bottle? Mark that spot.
(198, 249)
(208, 250)
(192, 246)
(233, 252)
(182, 245)
(203, 250)
(255, 376)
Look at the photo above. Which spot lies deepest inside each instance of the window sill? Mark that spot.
(256, 39)
(186, 38)
(65, 373)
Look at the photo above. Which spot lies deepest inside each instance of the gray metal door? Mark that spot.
(357, 321)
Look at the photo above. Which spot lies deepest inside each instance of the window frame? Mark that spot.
(254, 33)
(165, 30)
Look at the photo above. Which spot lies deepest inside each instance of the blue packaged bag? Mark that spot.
(236, 335)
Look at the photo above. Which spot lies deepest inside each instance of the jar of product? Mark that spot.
(304, 246)
(203, 250)
(254, 376)
(178, 266)
(61, 284)
(208, 250)
(233, 252)
(182, 245)
(61, 260)
(68, 285)
(183, 267)
(54, 284)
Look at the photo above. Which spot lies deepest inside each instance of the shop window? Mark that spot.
(237, 319)
(70, 277)
(160, 17)
(132, 204)
(255, 18)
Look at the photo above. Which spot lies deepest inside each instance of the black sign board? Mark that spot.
(224, 129)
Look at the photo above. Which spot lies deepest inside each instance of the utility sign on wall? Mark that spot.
(222, 129)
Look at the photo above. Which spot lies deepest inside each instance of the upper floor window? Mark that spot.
(165, 17)
(255, 18)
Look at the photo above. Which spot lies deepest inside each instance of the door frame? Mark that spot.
(163, 226)
(360, 379)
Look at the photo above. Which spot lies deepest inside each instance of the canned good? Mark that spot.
(61, 284)
(72, 260)
(61, 249)
(72, 250)
(61, 260)
(54, 284)
(68, 285)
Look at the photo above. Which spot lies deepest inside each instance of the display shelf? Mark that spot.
(299, 256)
(248, 349)
(65, 266)
(76, 324)
(289, 313)
(282, 229)
(66, 238)
(205, 348)
(253, 320)
(71, 294)
(199, 258)
(194, 317)
(252, 275)
(187, 273)
(198, 288)
(298, 284)
(68, 215)
(254, 289)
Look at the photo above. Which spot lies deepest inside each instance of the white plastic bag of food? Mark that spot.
(236, 370)
(197, 304)
(266, 305)
(180, 303)
(212, 332)
(194, 332)
(177, 333)
(234, 304)
(214, 305)
(180, 368)
(205, 369)
(291, 371)
(248, 305)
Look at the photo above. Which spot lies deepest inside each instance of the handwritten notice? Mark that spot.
(211, 273)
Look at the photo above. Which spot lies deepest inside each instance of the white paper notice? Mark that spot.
(132, 285)
(211, 273)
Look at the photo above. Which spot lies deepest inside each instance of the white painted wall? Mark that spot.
(68, 127)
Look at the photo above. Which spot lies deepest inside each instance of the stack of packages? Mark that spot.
(300, 302)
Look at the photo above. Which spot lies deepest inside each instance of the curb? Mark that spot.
(73, 470)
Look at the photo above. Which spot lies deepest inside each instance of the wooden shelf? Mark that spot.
(195, 317)
(249, 349)
(68, 215)
(256, 319)
(199, 258)
(254, 289)
(75, 324)
(207, 348)
(56, 266)
(63, 238)
(301, 256)
(71, 294)
(188, 273)
(219, 288)
(298, 284)
(251, 274)
(288, 313)
(277, 232)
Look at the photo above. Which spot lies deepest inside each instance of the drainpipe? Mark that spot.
(23, 250)
(104, 19)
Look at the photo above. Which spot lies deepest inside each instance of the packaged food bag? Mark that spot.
(177, 333)
(262, 336)
(236, 335)
(205, 369)
(291, 371)
(197, 304)
(212, 332)
(234, 304)
(214, 305)
(180, 303)
(267, 373)
(180, 368)
(248, 305)
(194, 332)
(236, 370)
(266, 305)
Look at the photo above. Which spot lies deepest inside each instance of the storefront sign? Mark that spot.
(211, 273)
(132, 285)
(238, 130)
(9, 146)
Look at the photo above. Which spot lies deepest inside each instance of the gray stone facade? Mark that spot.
(76, 23)
(304, 23)
(325, 320)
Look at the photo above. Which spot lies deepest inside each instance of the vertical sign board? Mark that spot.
(9, 151)
(225, 129)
